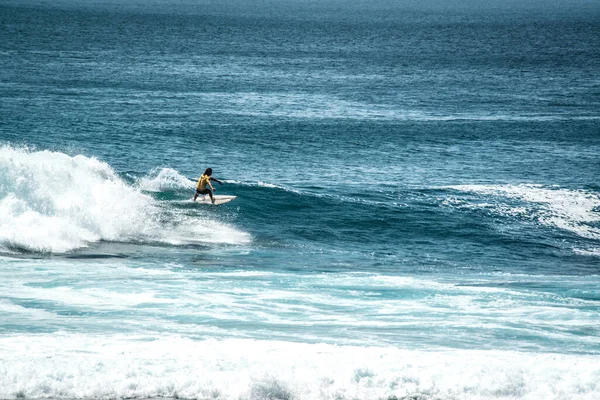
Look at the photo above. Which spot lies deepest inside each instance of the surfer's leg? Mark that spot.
(212, 199)
(203, 192)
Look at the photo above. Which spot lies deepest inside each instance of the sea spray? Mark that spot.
(165, 179)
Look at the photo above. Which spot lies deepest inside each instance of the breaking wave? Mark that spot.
(54, 202)
(572, 210)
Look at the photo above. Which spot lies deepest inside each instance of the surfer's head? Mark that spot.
(208, 171)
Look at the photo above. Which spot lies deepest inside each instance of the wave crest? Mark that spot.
(165, 179)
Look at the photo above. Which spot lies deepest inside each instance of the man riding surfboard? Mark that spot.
(203, 181)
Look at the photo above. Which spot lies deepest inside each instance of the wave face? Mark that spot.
(53, 202)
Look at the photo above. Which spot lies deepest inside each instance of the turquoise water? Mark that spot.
(418, 210)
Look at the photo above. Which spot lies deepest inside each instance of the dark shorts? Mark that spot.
(203, 191)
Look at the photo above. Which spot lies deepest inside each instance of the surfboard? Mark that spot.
(219, 199)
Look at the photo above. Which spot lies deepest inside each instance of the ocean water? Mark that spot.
(418, 210)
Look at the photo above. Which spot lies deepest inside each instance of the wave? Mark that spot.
(574, 210)
(53, 202)
(327, 196)
(96, 367)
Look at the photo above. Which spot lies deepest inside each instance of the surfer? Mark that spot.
(203, 181)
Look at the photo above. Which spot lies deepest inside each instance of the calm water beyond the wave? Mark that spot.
(418, 210)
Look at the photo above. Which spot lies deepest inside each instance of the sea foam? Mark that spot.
(571, 210)
(53, 202)
(95, 367)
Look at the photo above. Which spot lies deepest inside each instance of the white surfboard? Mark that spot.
(219, 199)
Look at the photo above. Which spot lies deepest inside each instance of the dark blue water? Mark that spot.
(418, 202)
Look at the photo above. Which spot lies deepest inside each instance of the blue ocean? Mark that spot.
(417, 212)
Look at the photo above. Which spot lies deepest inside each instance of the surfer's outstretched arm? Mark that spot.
(216, 180)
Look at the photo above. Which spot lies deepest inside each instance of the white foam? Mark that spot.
(568, 209)
(50, 201)
(163, 179)
(592, 251)
(94, 367)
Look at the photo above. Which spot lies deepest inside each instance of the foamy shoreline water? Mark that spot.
(93, 367)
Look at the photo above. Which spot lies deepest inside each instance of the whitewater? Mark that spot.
(53, 203)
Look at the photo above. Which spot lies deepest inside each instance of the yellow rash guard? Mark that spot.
(202, 182)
